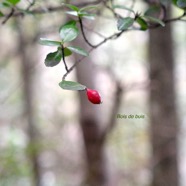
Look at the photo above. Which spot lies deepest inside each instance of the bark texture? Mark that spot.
(163, 116)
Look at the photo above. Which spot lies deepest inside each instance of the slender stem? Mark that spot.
(63, 58)
(9, 16)
(83, 33)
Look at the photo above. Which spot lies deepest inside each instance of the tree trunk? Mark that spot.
(90, 124)
(163, 116)
(27, 59)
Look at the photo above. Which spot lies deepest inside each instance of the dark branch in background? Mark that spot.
(45, 10)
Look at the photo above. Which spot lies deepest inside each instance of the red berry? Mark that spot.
(93, 96)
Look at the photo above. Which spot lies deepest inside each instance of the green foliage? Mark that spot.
(143, 24)
(153, 11)
(81, 12)
(69, 31)
(86, 15)
(154, 20)
(71, 85)
(52, 59)
(125, 23)
(72, 7)
(88, 8)
(1, 14)
(47, 42)
(67, 52)
(78, 50)
(14, 2)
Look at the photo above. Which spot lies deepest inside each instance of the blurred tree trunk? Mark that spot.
(94, 134)
(90, 124)
(26, 58)
(163, 116)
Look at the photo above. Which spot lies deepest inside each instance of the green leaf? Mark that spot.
(123, 7)
(155, 20)
(69, 31)
(174, 2)
(5, 4)
(88, 8)
(1, 14)
(72, 7)
(52, 59)
(67, 52)
(78, 50)
(71, 85)
(153, 11)
(14, 2)
(181, 3)
(125, 23)
(47, 42)
(74, 13)
(87, 15)
(142, 23)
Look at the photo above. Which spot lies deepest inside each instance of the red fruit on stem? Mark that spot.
(93, 96)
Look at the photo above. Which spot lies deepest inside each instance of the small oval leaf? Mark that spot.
(153, 11)
(72, 7)
(52, 59)
(47, 42)
(87, 15)
(67, 52)
(74, 13)
(143, 24)
(69, 31)
(78, 50)
(155, 20)
(88, 8)
(14, 2)
(125, 23)
(71, 85)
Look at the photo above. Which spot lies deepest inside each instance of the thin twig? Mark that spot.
(95, 32)
(83, 33)
(30, 5)
(63, 58)
(111, 9)
(8, 16)
(75, 64)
